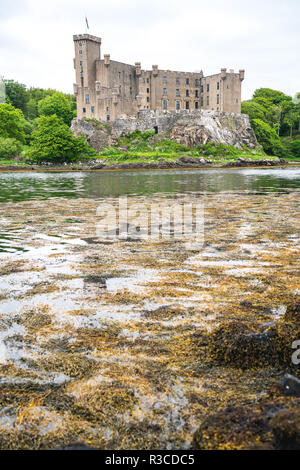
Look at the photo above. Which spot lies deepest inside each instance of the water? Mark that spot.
(15, 187)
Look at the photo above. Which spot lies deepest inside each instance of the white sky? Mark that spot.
(261, 36)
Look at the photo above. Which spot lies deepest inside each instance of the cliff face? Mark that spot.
(188, 128)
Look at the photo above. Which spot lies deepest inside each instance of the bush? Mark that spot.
(11, 122)
(54, 141)
(9, 148)
(268, 138)
(294, 148)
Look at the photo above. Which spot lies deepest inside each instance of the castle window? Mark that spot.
(81, 63)
(130, 91)
(187, 93)
(218, 85)
(165, 92)
(107, 109)
(207, 87)
(93, 109)
(177, 92)
(148, 99)
(202, 101)
(81, 74)
(165, 104)
(119, 73)
(148, 81)
(83, 110)
(80, 44)
(207, 101)
(87, 99)
(148, 90)
(218, 99)
(177, 81)
(197, 82)
(80, 52)
(165, 81)
(177, 105)
(196, 93)
(196, 105)
(130, 76)
(187, 105)
(201, 89)
(108, 117)
(187, 81)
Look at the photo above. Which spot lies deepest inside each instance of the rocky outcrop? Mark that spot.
(97, 134)
(190, 128)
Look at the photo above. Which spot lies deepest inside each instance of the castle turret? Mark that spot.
(87, 51)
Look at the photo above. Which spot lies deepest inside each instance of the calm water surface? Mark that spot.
(16, 187)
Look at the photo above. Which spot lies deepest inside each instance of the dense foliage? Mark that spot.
(56, 104)
(53, 141)
(9, 148)
(11, 122)
(267, 137)
(272, 112)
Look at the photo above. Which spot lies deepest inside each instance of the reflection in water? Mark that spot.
(16, 187)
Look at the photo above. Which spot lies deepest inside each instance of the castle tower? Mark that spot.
(87, 51)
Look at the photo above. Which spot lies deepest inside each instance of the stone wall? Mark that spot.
(189, 128)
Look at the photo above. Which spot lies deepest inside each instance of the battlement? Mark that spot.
(87, 37)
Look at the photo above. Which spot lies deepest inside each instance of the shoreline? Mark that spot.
(150, 166)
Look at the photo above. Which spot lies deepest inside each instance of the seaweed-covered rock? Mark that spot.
(264, 426)
(286, 429)
(242, 345)
(238, 344)
(232, 429)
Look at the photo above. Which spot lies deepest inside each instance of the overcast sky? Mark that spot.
(260, 36)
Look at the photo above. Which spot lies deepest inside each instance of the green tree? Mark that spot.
(254, 110)
(16, 94)
(273, 96)
(53, 141)
(9, 148)
(56, 104)
(294, 148)
(268, 138)
(11, 122)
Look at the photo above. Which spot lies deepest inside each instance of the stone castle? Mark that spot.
(107, 89)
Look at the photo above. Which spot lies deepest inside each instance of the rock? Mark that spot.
(243, 345)
(263, 426)
(290, 385)
(286, 429)
(97, 134)
(187, 159)
(190, 128)
(231, 429)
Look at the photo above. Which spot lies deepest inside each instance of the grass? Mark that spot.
(148, 147)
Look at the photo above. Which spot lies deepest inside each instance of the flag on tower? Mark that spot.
(87, 23)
